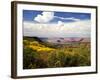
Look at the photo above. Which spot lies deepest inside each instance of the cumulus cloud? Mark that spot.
(44, 17)
(72, 29)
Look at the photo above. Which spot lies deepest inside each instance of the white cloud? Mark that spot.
(44, 17)
(70, 18)
(48, 16)
(60, 23)
(72, 29)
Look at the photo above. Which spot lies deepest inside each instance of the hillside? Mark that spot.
(41, 54)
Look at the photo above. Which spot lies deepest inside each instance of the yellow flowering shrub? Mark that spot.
(41, 49)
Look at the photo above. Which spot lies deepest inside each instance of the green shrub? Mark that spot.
(31, 59)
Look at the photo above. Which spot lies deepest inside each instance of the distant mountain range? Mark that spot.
(65, 40)
(60, 40)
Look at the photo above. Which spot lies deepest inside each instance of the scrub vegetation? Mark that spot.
(39, 54)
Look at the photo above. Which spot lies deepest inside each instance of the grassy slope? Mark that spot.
(54, 56)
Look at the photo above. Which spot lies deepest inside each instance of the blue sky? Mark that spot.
(31, 15)
(56, 24)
